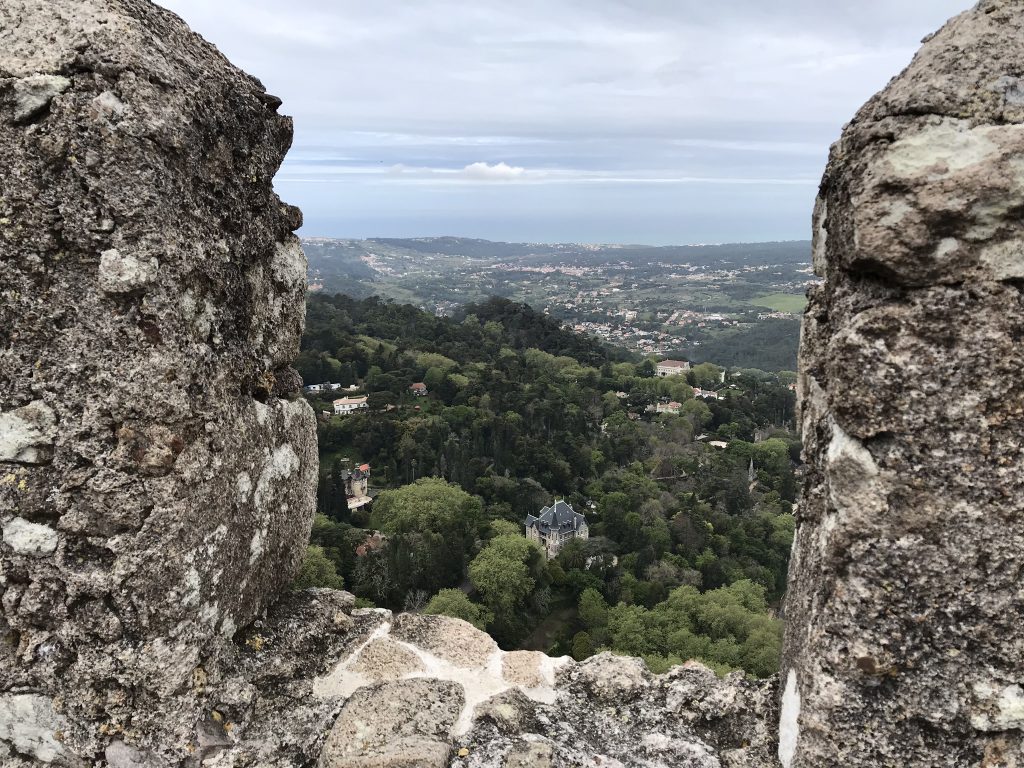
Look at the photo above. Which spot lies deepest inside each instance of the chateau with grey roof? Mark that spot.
(555, 525)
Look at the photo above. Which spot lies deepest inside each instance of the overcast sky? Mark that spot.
(637, 121)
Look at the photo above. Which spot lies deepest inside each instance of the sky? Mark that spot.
(615, 121)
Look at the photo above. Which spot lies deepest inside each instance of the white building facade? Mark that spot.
(672, 367)
(346, 405)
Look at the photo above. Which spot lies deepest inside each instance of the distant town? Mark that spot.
(656, 301)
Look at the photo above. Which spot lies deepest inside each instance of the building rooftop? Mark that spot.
(560, 517)
(349, 400)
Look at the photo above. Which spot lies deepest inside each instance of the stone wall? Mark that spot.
(321, 684)
(157, 474)
(156, 483)
(904, 603)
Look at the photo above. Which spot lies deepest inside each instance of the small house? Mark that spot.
(346, 405)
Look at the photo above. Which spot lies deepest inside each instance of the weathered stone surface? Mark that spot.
(687, 717)
(266, 695)
(525, 668)
(511, 711)
(384, 659)
(33, 94)
(124, 273)
(902, 640)
(611, 678)
(25, 538)
(120, 755)
(530, 753)
(400, 724)
(29, 724)
(736, 716)
(27, 434)
(453, 640)
(156, 484)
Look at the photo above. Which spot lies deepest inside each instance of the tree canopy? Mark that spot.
(454, 602)
(428, 505)
(520, 411)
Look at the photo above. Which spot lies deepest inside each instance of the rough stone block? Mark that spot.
(902, 613)
(395, 725)
(157, 477)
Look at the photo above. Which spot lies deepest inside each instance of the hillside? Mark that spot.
(737, 303)
(520, 412)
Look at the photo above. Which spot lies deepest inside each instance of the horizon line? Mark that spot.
(303, 236)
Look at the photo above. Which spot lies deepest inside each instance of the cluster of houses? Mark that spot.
(343, 406)
(553, 526)
(679, 368)
(706, 394)
(327, 387)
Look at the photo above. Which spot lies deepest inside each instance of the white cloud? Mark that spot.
(497, 172)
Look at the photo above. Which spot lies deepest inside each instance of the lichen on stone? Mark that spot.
(157, 477)
(902, 638)
(142, 244)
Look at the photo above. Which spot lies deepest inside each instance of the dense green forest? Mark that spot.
(689, 540)
(769, 344)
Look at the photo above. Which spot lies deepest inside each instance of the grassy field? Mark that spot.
(781, 302)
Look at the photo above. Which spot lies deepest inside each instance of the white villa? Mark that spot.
(346, 405)
(555, 525)
(672, 367)
(707, 394)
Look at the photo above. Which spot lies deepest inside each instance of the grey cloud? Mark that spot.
(636, 89)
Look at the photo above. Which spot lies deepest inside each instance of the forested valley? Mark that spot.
(689, 510)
